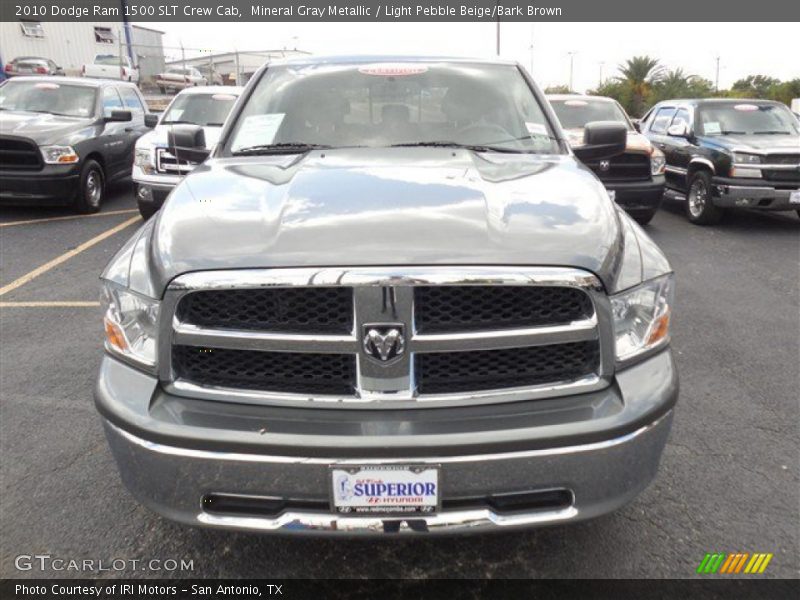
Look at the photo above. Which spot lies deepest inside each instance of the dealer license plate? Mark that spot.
(794, 197)
(385, 489)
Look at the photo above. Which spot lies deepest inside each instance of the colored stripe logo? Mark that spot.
(735, 563)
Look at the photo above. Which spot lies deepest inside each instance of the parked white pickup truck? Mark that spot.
(111, 66)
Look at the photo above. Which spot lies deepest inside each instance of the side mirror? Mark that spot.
(678, 130)
(120, 116)
(637, 124)
(602, 140)
(187, 142)
(150, 120)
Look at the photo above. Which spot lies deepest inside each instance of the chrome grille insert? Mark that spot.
(228, 335)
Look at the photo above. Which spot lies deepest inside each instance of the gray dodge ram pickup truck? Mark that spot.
(391, 300)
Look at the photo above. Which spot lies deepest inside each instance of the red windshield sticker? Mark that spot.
(576, 103)
(392, 70)
(47, 86)
(746, 107)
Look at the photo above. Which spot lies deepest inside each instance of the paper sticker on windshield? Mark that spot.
(712, 127)
(746, 107)
(223, 97)
(576, 103)
(258, 130)
(536, 128)
(47, 86)
(393, 70)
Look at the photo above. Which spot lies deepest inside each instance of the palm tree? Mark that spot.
(675, 84)
(640, 73)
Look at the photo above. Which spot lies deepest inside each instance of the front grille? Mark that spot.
(780, 175)
(383, 338)
(473, 308)
(288, 310)
(302, 373)
(494, 369)
(19, 154)
(625, 167)
(166, 162)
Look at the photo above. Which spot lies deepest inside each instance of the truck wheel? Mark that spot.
(644, 217)
(92, 188)
(700, 209)
(146, 209)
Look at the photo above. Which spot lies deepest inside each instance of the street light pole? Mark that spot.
(716, 81)
(571, 58)
(601, 72)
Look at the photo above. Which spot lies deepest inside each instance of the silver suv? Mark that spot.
(392, 300)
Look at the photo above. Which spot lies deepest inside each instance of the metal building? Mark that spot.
(228, 64)
(73, 44)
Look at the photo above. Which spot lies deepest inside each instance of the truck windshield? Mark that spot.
(485, 107)
(747, 118)
(47, 97)
(200, 109)
(575, 114)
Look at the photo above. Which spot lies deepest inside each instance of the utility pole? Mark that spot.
(531, 49)
(601, 73)
(498, 30)
(716, 81)
(571, 61)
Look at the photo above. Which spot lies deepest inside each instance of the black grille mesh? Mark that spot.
(624, 167)
(301, 373)
(491, 369)
(19, 154)
(472, 308)
(287, 310)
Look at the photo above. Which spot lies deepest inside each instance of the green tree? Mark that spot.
(558, 89)
(639, 74)
(754, 86)
(678, 84)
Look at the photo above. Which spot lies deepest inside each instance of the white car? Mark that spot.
(156, 170)
(179, 78)
(111, 66)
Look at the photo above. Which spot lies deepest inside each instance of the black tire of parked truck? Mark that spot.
(798, 212)
(700, 208)
(92, 188)
(643, 217)
(146, 210)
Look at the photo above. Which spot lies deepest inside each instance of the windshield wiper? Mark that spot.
(774, 132)
(282, 148)
(473, 147)
(177, 122)
(729, 132)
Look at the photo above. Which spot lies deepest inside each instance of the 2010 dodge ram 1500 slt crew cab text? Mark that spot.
(392, 300)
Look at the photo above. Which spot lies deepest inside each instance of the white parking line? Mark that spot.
(68, 217)
(52, 304)
(66, 256)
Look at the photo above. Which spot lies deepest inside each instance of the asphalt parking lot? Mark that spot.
(729, 479)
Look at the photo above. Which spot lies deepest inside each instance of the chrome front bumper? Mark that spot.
(602, 476)
(750, 196)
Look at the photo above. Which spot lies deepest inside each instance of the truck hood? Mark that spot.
(756, 143)
(43, 128)
(419, 206)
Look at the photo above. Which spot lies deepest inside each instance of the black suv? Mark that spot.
(634, 179)
(727, 153)
(63, 139)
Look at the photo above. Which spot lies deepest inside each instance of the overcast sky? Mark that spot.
(744, 48)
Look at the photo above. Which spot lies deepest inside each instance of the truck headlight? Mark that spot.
(658, 162)
(131, 324)
(143, 158)
(742, 158)
(59, 155)
(641, 317)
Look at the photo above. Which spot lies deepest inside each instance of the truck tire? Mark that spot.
(700, 210)
(644, 217)
(146, 209)
(91, 188)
